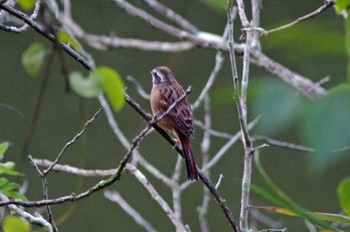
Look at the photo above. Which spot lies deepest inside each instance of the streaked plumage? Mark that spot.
(179, 121)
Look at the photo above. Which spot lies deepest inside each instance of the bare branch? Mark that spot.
(155, 195)
(172, 15)
(45, 172)
(204, 179)
(114, 196)
(39, 221)
(325, 6)
(219, 59)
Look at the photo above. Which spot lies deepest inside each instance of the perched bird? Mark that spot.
(179, 121)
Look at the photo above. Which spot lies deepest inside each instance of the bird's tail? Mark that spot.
(192, 173)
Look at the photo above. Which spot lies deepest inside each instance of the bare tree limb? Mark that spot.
(39, 221)
(114, 196)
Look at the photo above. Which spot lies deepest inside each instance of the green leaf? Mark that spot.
(347, 37)
(7, 168)
(341, 5)
(66, 38)
(33, 59)
(15, 224)
(326, 126)
(3, 148)
(88, 87)
(113, 86)
(10, 187)
(3, 181)
(26, 4)
(276, 112)
(323, 216)
(344, 195)
(279, 198)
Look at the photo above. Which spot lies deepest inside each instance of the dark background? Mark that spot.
(314, 48)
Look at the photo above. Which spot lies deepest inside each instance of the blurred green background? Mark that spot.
(314, 48)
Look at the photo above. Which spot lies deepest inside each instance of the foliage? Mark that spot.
(15, 224)
(101, 79)
(33, 59)
(279, 198)
(27, 4)
(344, 196)
(7, 187)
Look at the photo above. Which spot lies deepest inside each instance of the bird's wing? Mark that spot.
(181, 116)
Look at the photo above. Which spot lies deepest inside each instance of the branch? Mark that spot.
(39, 221)
(205, 180)
(114, 196)
(172, 15)
(102, 184)
(155, 195)
(325, 6)
(45, 172)
(205, 40)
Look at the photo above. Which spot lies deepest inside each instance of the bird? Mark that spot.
(179, 121)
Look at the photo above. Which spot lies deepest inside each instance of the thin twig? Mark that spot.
(205, 147)
(283, 144)
(102, 184)
(325, 6)
(77, 136)
(139, 88)
(219, 59)
(35, 220)
(221, 201)
(44, 184)
(114, 196)
(301, 83)
(25, 26)
(13, 109)
(241, 104)
(172, 15)
(155, 195)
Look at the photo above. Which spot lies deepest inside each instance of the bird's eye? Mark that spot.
(155, 74)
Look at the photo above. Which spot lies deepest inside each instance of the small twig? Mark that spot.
(13, 109)
(204, 179)
(39, 221)
(301, 83)
(157, 118)
(104, 42)
(287, 145)
(45, 172)
(218, 183)
(219, 59)
(114, 196)
(325, 6)
(155, 195)
(172, 15)
(257, 215)
(74, 170)
(227, 146)
(44, 184)
(205, 147)
(241, 104)
(213, 132)
(25, 26)
(155, 172)
(176, 190)
(139, 88)
(102, 184)
(167, 28)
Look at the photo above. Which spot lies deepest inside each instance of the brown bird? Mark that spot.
(179, 121)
